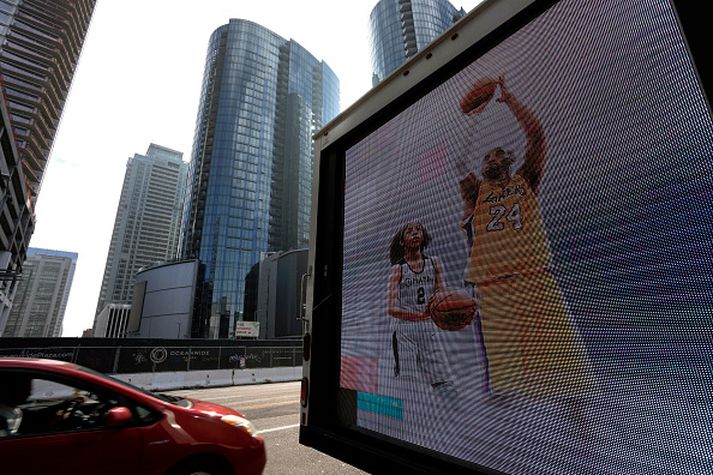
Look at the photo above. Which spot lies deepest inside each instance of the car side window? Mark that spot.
(61, 406)
(44, 390)
(14, 390)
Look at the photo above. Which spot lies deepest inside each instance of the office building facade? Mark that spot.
(274, 294)
(165, 300)
(147, 224)
(112, 321)
(42, 294)
(400, 28)
(251, 168)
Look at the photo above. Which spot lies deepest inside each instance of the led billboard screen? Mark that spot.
(526, 280)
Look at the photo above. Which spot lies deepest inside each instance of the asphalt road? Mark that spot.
(274, 410)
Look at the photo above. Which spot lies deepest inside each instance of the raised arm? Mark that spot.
(392, 298)
(534, 163)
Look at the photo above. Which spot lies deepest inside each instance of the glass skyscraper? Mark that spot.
(250, 177)
(400, 28)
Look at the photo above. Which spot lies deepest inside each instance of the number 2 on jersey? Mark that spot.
(497, 212)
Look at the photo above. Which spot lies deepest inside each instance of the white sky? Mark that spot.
(137, 82)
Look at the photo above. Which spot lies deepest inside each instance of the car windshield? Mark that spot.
(178, 401)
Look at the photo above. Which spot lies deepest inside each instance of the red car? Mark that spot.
(58, 417)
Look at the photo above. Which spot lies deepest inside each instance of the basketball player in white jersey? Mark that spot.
(414, 278)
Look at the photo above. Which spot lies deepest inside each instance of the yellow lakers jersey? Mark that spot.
(508, 234)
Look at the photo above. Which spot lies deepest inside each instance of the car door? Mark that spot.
(54, 439)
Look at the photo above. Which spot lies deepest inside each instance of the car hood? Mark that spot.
(211, 409)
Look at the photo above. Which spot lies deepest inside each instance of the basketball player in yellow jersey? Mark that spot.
(530, 342)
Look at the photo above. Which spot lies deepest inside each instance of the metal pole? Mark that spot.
(116, 359)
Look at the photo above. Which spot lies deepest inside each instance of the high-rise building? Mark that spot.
(251, 168)
(17, 221)
(40, 42)
(148, 219)
(42, 294)
(400, 28)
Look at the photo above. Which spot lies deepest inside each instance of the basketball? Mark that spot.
(452, 310)
(478, 97)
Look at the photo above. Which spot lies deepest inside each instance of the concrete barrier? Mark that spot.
(210, 378)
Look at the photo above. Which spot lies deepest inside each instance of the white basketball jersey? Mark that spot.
(416, 287)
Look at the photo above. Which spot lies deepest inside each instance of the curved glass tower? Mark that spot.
(400, 28)
(250, 178)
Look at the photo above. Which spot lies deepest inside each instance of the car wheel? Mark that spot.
(202, 466)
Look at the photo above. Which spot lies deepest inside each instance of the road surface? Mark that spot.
(274, 409)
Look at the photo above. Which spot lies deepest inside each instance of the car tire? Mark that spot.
(202, 466)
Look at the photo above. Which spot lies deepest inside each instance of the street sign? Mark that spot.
(247, 329)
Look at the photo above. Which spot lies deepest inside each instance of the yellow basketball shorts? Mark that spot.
(531, 344)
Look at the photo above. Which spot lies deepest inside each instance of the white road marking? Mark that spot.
(292, 426)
